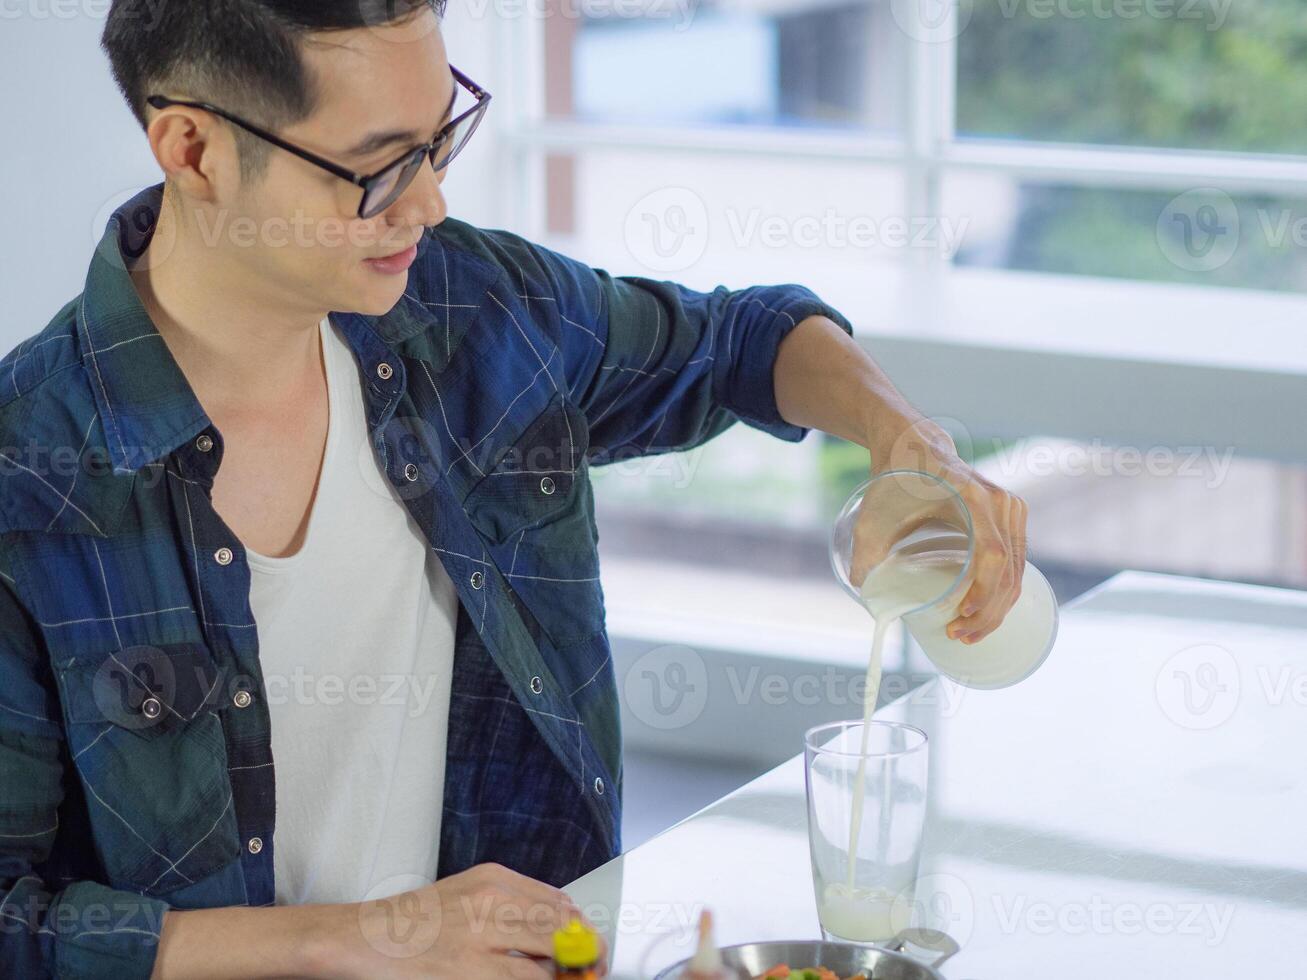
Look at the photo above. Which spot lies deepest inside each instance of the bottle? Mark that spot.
(576, 952)
(706, 964)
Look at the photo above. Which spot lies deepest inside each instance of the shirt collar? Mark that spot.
(146, 405)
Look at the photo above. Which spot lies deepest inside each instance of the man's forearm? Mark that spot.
(274, 942)
(825, 380)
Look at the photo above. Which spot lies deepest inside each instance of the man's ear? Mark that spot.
(198, 157)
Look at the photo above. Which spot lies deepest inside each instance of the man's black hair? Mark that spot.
(242, 55)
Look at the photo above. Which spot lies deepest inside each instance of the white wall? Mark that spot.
(70, 150)
(70, 147)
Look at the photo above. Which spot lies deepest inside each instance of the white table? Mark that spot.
(1137, 808)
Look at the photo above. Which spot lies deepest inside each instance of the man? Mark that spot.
(301, 431)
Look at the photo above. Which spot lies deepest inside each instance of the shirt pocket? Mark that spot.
(534, 509)
(149, 750)
(534, 478)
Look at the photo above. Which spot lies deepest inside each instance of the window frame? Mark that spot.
(913, 342)
(928, 149)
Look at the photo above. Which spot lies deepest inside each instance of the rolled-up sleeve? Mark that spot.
(656, 366)
(82, 929)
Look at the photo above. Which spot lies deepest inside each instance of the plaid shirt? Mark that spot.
(136, 772)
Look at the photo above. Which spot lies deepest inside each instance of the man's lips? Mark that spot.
(410, 245)
(395, 263)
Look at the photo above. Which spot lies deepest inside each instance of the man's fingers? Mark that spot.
(980, 624)
(516, 912)
(996, 579)
(990, 562)
(995, 592)
(1017, 537)
(524, 934)
(1017, 528)
(532, 892)
(990, 616)
(528, 926)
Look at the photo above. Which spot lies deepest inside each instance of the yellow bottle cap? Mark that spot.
(575, 946)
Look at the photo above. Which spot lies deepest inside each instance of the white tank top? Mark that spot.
(356, 640)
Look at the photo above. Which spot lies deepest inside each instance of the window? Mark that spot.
(1162, 141)
(755, 63)
(1203, 236)
(1197, 76)
(1144, 139)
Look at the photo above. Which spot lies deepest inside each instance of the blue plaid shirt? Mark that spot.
(136, 772)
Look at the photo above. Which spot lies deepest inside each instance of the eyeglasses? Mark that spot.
(383, 188)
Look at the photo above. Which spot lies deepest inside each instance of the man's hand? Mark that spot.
(486, 923)
(998, 520)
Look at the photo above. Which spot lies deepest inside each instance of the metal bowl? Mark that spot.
(888, 962)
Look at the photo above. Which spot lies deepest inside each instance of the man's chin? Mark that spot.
(377, 299)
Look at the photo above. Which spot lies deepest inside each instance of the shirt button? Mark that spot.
(384, 371)
(255, 845)
(599, 786)
(223, 556)
(477, 580)
(537, 685)
(151, 708)
(411, 472)
(204, 443)
(547, 485)
(242, 699)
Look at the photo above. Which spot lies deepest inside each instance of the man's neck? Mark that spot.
(240, 348)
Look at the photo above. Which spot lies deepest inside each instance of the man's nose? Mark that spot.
(423, 202)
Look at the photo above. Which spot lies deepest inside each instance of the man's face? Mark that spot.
(383, 90)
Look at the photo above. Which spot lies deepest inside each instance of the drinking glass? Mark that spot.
(866, 818)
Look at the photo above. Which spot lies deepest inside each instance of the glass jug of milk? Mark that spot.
(903, 546)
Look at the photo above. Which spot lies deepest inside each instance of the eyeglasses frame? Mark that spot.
(364, 181)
